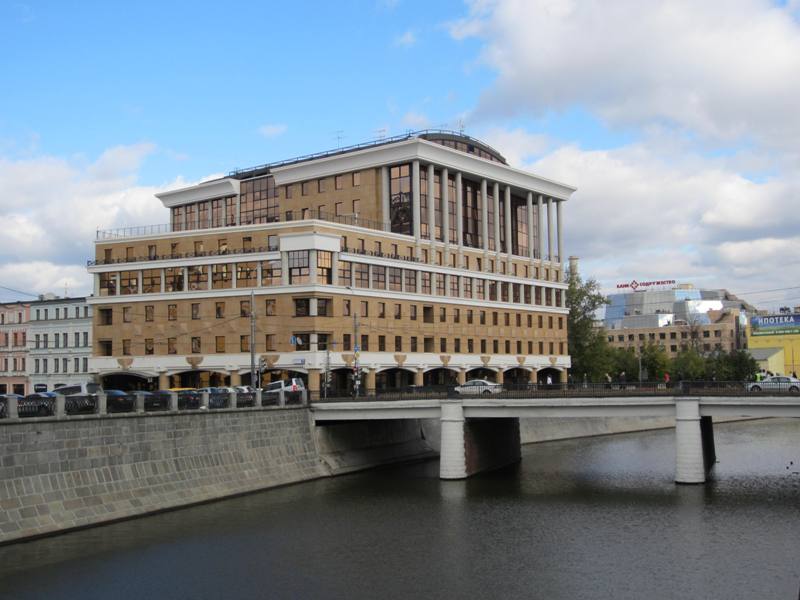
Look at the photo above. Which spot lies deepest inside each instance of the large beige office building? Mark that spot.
(423, 259)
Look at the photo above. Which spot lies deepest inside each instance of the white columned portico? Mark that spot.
(485, 224)
(560, 256)
(529, 206)
(540, 225)
(689, 462)
(459, 220)
(550, 232)
(496, 208)
(415, 199)
(444, 180)
(431, 209)
(452, 454)
(385, 210)
(507, 200)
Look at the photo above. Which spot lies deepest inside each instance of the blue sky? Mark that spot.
(680, 138)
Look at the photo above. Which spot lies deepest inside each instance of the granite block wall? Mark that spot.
(57, 475)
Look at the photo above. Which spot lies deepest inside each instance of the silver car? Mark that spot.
(776, 383)
(478, 387)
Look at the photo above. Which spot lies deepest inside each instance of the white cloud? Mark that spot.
(272, 130)
(405, 40)
(416, 120)
(723, 70)
(640, 214)
(52, 208)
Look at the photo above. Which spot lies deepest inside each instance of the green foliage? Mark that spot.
(737, 365)
(688, 365)
(655, 361)
(623, 361)
(588, 346)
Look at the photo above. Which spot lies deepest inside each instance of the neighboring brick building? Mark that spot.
(426, 253)
(13, 347)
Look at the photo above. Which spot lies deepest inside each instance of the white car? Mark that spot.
(477, 387)
(776, 383)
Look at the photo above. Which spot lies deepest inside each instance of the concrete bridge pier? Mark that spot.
(452, 454)
(469, 446)
(694, 442)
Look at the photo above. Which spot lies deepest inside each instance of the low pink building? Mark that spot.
(14, 317)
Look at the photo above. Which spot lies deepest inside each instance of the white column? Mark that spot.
(550, 232)
(459, 219)
(496, 207)
(558, 225)
(234, 273)
(431, 207)
(210, 271)
(452, 453)
(139, 282)
(530, 225)
(312, 266)
(385, 210)
(238, 211)
(689, 465)
(334, 268)
(284, 268)
(117, 284)
(485, 223)
(259, 273)
(415, 197)
(444, 181)
(163, 281)
(540, 225)
(507, 199)
(97, 283)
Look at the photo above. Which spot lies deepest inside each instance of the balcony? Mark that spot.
(287, 217)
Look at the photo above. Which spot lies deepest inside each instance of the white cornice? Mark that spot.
(203, 191)
(426, 152)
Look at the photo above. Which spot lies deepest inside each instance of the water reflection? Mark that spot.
(596, 518)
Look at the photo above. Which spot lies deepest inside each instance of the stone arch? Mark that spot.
(394, 378)
(516, 376)
(127, 380)
(440, 376)
(553, 372)
(487, 373)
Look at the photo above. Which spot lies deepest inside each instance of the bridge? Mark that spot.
(482, 432)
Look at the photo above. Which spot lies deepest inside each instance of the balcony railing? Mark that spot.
(288, 216)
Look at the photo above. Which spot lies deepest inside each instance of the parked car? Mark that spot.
(477, 387)
(292, 390)
(188, 398)
(119, 401)
(776, 383)
(38, 404)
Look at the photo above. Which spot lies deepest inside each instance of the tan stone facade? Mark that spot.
(314, 252)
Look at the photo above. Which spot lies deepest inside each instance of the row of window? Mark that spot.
(8, 317)
(359, 275)
(42, 314)
(673, 335)
(674, 347)
(303, 308)
(305, 341)
(80, 365)
(17, 364)
(61, 341)
(17, 339)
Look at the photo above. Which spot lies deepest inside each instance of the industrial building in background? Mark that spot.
(419, 259)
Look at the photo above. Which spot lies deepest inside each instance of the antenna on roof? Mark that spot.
(461, 126)
(339, 137)
(381, 133)
(66, 289)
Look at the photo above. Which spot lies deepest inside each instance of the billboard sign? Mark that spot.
(637, 285)
(775, 325)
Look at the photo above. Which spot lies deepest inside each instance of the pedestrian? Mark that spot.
(622, 380)
(549, 380)
(666, 379)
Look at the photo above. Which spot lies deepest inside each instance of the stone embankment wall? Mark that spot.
(57, 475)
(80, 471)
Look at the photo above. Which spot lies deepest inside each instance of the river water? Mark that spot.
(586, 518)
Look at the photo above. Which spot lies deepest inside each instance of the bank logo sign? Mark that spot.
(775, 325)
(635, 285)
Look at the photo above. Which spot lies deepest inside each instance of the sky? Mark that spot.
(677, 121)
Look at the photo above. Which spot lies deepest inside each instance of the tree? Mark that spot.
(655, 361)
(688, 365)
(623, 360)
(588, 346)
